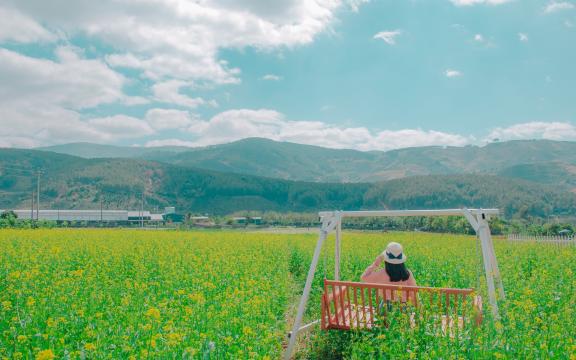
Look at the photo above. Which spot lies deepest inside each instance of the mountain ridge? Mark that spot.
(291, 161)
(77, 183)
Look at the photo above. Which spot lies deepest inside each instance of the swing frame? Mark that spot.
(331, 221)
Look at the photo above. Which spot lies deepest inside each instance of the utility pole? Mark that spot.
(101, 212)
(142, 211)
(32, 208)
(38, 196)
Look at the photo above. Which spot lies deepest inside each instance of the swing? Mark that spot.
(350, 305)
(347, 305)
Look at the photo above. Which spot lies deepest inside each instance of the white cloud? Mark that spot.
(451, 73)
(523, 37)
(135, 100)
(181, 39)
(169, 92)
(71, 81)
(555, 6)
(161, 119)
(355, 4)
(41, 100)
(271, 77)
(535, 130)
(243, 123)
(170, 142)
(17, 27)
(120, 127)
(175, 43)
(479, 2)
(389, 37)
(49, 125)
(238, 124)
(479, 38)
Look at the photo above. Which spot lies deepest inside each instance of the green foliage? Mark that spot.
(70, 182)
(544, 161)
(8, 219)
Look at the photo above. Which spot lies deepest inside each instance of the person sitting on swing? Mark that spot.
(394, 273)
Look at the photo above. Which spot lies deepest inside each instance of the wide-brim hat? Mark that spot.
(394, 254)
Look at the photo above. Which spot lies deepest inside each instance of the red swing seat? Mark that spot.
(350, 305)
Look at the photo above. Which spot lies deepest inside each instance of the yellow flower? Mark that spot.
(153, 313)
(190, 351)
(30, 301)
(174, 338)
(6, 305)
(50, 322)
(247, 331)
(197, 297)
(45, 355)
(89, 347)
(22, 338)
(77, 273)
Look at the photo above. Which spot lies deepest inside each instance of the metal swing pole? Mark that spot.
(328, 224)
(489, 270)
(482, 229)
(337, 250)
(484, 226)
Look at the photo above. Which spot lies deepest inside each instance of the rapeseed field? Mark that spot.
(130, 294)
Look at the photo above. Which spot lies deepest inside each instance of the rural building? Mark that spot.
(139, 216)
(111, 216)
(243, 220)
(201, 221)
(240, 220)
(173, 218)
(74, 215)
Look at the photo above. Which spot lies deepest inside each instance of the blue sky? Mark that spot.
(370, 75)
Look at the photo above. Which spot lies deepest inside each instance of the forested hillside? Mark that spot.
(72, 182)
(529, 160)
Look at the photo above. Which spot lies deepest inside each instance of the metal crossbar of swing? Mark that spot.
(332, 221)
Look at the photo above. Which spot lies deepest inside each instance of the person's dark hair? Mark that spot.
(397, 272)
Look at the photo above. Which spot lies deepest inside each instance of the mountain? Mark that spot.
(283, 160)
(553, 173)
(73, 182)
(95, 151)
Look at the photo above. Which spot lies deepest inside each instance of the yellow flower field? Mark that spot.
(164, 294)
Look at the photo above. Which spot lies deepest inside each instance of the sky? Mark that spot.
(360, 74)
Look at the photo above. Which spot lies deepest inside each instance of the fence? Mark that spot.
(544, 239)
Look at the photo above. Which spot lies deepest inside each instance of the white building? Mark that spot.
(74, 215)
